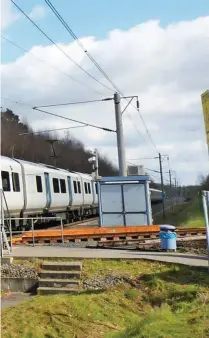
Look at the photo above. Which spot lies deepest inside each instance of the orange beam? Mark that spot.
(120, 230)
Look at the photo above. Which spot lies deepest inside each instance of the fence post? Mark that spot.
(33, 232)
(10, 233)
(205, 201)
(1, 242)
(61, 224)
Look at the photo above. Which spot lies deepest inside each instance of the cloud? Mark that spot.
(37, 12)
(168, 67)
(7, 15)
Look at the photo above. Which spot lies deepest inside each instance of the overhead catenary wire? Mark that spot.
(17, 102)
(59, 48)
(69, 119)
(70, 31)
(142, 158)
(73, 103)
(88, 72)
(50, 130)
(64, 23)
(63, 117)
(145, 126)
(50, 65)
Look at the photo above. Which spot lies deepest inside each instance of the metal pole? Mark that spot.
(171, 192)
(61, 224)
(205, 198)
(96, 163)
(120, 137)
(1, 240)
(176, 190)
(10, 233)
(162, 185)
(2, 221)
(33, 232)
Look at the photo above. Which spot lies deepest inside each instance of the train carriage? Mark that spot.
(34, 189)
(12, 185)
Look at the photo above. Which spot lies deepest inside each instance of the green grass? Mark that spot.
(162, 301)
(188, 214)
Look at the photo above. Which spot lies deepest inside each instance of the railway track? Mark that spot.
(102, 236)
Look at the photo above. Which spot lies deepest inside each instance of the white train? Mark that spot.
(36, 189)
(33, 189)
(156, 196)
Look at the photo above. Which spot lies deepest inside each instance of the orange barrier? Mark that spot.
(140, 232)
(120, 230)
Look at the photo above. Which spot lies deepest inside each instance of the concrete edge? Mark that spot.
(109, 259)
(18, 284)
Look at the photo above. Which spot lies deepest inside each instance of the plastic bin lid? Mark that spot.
(167, 227)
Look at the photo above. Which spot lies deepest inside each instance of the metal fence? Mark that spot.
(205, 202)
(11, 235)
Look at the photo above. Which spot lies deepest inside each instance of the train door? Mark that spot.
(82, 190)
(70, 190)
(93, 191)
(48, 191)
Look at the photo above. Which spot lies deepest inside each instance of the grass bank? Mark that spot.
(160, 301)
(188, 214)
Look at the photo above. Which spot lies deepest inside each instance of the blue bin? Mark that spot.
(168, 237)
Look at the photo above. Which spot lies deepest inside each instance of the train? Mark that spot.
(41, 190)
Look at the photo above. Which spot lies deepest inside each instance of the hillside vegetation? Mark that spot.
(157, 301)
(186, 214)
(71, 153)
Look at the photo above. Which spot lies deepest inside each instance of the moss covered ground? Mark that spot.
(160, 301)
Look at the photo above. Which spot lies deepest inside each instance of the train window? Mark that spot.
(39, 184)
(85, 187)
(89, 188)
(15, 182)
(5, 180)
(75, 187)
(96, 188)
(56, 185)
(63, 186)
(79, 187)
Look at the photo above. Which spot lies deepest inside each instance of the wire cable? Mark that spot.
(52, 66)
(143, 158)
(60, 116)
(59, 48)
(50, 130)
(69, 119)
(64, 23)
(72, 103)
(89, 55)
(17, 102)
(145, 126)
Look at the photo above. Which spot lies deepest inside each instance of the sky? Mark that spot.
(158, 50)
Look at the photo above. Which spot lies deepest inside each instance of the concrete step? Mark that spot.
(49, 274)
(54, 291)
(59, 266)
(59, 283)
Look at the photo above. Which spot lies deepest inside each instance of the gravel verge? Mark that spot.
(104, 282)
(18, 271)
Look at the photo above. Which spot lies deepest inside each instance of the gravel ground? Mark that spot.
(16, 270)
(198, 247)
(195, 247)
(101, 283)
(83, 244)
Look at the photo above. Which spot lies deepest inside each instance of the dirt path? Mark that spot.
(14, 298)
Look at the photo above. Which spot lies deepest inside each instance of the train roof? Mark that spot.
(39, 165)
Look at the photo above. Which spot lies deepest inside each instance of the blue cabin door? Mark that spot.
(48, 191)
